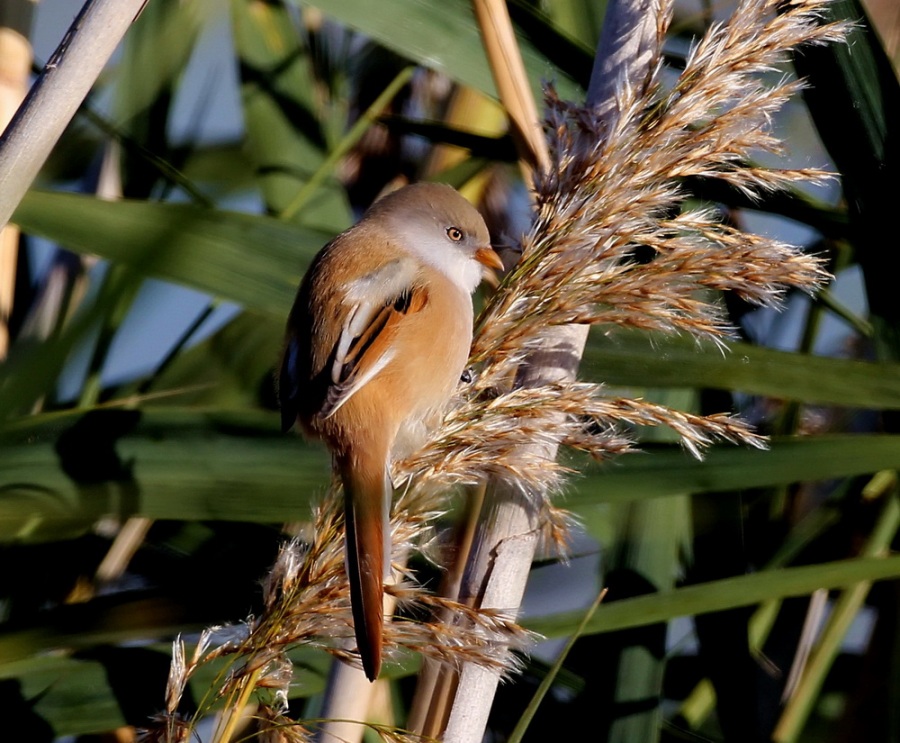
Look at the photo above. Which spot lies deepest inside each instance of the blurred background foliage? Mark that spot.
(145, 486)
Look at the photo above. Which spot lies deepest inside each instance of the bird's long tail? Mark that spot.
(367, 500)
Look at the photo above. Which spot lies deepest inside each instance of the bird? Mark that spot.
(375, 346)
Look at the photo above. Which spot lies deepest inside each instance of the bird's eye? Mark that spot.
(455, 234)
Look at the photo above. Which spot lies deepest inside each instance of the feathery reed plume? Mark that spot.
(609, 246)
(611, 199)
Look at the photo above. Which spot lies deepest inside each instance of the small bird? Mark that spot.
(376, 343)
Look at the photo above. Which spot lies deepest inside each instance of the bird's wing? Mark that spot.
(379, 302)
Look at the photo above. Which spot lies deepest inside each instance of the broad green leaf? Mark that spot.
(63, 471)
(72, 696)
(719, 595)
(657, 471)
(444, 36)
(639, 360)
(223, 168)
(253, 260)
(227, 370)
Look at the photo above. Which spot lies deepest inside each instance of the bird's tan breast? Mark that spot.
(428, 354)
(434, 346)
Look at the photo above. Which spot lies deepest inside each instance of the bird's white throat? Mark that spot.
(455, 262)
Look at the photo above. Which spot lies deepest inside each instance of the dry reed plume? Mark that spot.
(609, 193)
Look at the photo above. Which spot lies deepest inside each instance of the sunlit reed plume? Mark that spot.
(611, 246)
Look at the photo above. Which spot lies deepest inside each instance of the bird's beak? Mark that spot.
(492, 262)
(488, 258)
